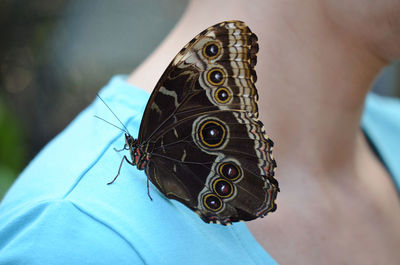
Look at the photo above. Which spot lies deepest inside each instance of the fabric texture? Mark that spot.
(381, 124)
(60, 210)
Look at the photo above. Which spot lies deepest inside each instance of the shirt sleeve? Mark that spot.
(58, 232)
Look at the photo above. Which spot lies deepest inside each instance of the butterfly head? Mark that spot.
(130, 142)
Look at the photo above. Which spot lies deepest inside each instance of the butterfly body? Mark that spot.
(200, 141)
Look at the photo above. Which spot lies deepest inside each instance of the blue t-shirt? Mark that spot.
(60, 210)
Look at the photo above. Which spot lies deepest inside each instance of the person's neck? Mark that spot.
(311, 82)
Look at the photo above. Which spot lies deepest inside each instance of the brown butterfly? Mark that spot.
(200, 140)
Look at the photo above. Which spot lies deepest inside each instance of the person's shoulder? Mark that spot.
(61, 203)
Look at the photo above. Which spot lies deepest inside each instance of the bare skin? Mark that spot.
(317, 60)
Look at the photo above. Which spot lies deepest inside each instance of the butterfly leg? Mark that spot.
(122, 149)
(119, 170)
(148, 189)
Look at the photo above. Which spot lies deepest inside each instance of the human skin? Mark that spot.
(317, 60)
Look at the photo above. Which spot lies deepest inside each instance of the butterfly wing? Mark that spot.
(206, 146)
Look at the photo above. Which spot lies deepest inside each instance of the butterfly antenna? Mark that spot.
(109, 123)
(126, 129)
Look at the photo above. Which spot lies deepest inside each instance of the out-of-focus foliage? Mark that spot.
(12, 148)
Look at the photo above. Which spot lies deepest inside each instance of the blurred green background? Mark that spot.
(56, 54)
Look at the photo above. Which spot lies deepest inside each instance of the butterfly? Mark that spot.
(200, 141)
